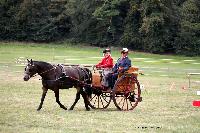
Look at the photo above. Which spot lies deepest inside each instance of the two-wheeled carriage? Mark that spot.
(125, 93)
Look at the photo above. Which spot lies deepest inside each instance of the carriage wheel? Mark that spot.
(126, 93)
(100, 99)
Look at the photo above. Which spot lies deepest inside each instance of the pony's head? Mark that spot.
(29, 70)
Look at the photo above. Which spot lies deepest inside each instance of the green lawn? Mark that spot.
(166, 107)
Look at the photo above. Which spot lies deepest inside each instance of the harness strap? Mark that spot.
(62, 68)
(88, 76)
(53, 68)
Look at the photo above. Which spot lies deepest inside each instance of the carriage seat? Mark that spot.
(132, 70)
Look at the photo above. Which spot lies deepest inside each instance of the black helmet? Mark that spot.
(106, 50)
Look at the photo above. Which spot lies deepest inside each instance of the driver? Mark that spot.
(122, 65)
(106, 65)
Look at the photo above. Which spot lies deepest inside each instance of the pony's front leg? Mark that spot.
(56, 91)
(76, 100)
(42, 98)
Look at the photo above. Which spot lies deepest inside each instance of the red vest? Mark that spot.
(106, 62)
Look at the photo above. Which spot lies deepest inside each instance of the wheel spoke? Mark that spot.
(130, 102)
(127, 103)
(105, 99)
(120, 101)
(123, 103)
(92, 97)
(95, 100)
(98, 101)
(102, 102)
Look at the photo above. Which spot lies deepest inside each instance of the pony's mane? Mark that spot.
(42, 63)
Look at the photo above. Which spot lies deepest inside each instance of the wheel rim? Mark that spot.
(100, 100)
(125, 97)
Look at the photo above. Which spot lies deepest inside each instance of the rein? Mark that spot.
(53, 68)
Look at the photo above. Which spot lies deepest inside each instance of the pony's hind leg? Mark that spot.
(56, 91)
(76, 100)
(42, 98)
(86, 101)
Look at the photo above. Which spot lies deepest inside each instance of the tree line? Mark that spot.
(157, 26)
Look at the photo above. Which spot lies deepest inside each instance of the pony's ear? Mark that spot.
(28, 60)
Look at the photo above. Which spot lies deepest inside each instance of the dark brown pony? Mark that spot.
(55, 77)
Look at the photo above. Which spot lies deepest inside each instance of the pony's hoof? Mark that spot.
(64, 108)
(38, 109)
(88, 109)
(70, 109)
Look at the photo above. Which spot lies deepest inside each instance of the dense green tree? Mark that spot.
(131, 36)
(112, 14)
(33, 20)
(188, 41)
(80, 13)
(157, 26)
(160, 22)
(43, 20)
(8, 27)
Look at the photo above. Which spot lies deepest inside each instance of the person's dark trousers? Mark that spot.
(111, 79)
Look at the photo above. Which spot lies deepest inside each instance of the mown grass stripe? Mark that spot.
(189, 60)
(196, 63)
(151, 61)
(175, 62)
(166, 59)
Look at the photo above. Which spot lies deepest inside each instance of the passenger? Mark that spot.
(122, 65)
(106, 65)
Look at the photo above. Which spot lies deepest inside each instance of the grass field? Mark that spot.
(166, 106)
